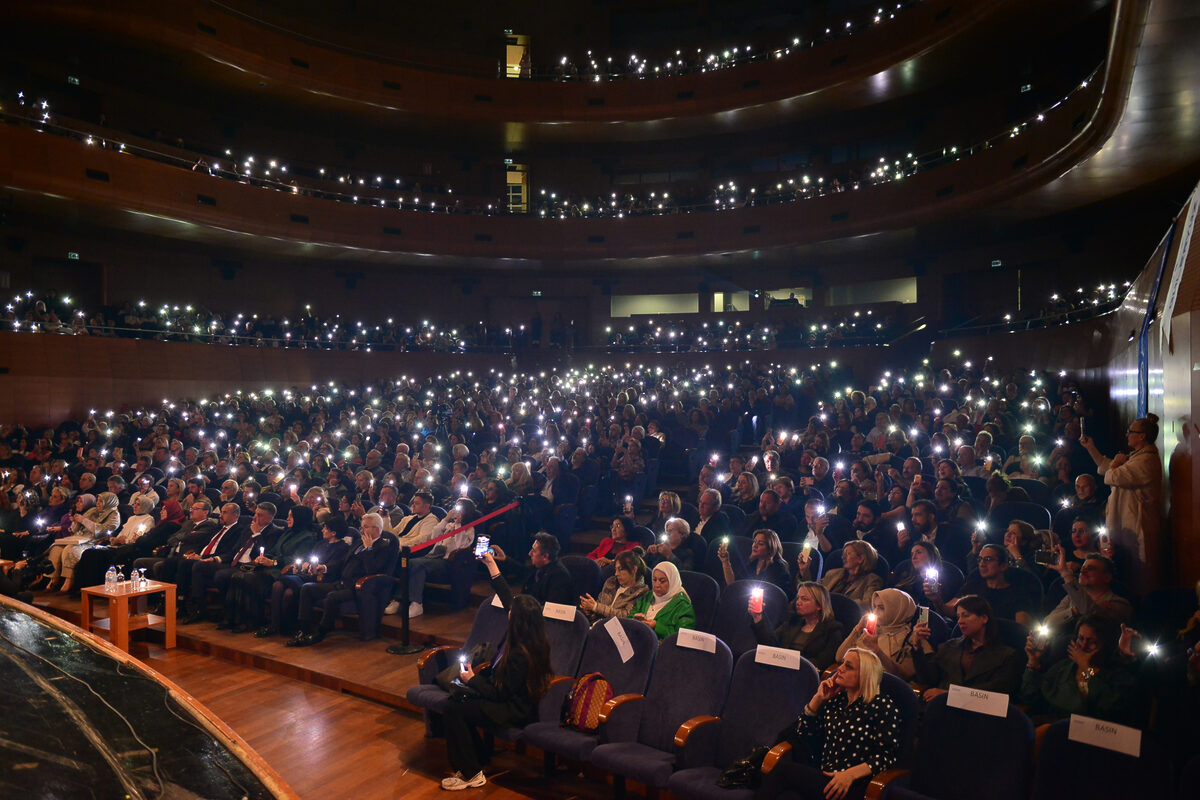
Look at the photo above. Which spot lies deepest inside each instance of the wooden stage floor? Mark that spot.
(332, 719)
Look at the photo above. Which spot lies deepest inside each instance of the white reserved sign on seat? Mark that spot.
(992, 703)
(559, 611)
(696, 640)
(777, 657)
(1109, 735)
(620, 639)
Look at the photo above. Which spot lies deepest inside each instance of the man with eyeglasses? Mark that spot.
(1134, 509)
(1088, 593)
(1018, 599)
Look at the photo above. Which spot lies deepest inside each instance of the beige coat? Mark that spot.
(1134, 508)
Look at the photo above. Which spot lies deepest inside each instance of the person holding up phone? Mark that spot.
(1089, 592)
(848, 733)
(504, 693)
(977, 659)
(1134, 507)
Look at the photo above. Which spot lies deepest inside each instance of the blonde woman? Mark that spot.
(849, 732)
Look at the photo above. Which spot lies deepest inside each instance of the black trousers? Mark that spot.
(465, 746)
(246, 597)
(795, 779)
(329, 596)
(203, 575)
(285, 602)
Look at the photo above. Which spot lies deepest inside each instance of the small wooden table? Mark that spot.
(122, 618)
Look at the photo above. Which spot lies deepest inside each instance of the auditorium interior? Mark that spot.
(579, 274)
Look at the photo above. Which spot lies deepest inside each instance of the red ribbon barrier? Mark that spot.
(447, 535)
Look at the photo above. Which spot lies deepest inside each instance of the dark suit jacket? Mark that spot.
(228, 546)
(717, 526)
(551, 584)
(565, 489)
(190, 537)
(364, 561)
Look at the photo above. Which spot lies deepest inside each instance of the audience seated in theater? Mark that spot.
(869, 526)
(412, 530)
(1013, 601)
(630, 580)
(766, 562)
(810, 626)
(1088, 593)
(95, 561)
(502, 694)
(856, 578)
(1020, 541)
(1095, 678)
(849, 732)
(619, 540)
(549, 582)
(949, 502)
(666, 607)
(669, 506)
(249, 589)
(889, 634)
(324, 565)
(745, 493)
(368, 556)
(910, 576)
(952, 541)
(434, 562)
(770, 516)
(252, 542)
(976, 659)
(679, 546)
(714, 523)
(76, 534)
(1000, 490)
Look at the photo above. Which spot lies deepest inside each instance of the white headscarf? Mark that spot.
(674, 587)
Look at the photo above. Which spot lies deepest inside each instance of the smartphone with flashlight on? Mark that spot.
(756, 600)
(483, 545)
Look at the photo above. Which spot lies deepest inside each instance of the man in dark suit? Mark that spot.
(216, 568)
(369, 557)
(714, 523)
(550, 581)
(192, 535)
(561, 486)
(772, 517)
(869, 528)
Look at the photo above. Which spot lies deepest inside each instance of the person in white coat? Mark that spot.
(1134, 509)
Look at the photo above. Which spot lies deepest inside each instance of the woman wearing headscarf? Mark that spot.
(892, 638)
(94, 525)
(666, 607)
(71, 536)
(122, 550)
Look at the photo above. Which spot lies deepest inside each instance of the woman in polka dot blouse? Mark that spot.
(848, 733)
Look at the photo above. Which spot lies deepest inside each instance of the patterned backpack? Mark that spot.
(582, 705)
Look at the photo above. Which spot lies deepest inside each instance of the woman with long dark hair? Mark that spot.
(500, 693)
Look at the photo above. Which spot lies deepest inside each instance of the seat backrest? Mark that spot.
(763, 700)
(732, 623)
(712, 563)
(643, 536)
(910, 709)
(735, 514)
(689, 512)
(791, 552)
(978, 487)
(1027, 581)
(705, 593)
(1036, 515)
(846, 610)
(1038, 492)
(600, 655)
(951, 578)
(566, 642)
(585, 573)
(1097, 773)
(685, 683)
(490, 625)
(946, 765)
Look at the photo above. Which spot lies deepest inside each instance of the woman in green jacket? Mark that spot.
(666, 607)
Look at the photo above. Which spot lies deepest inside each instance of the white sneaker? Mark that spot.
(447, 781)
(392, 607)
(457, 784)
(415, 610)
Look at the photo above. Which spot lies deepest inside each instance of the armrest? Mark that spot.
(696, 741)
(550, 708)
(882, 780)
(361, 582)
(620, 717)
(685, 730)
(431, 662)
(1038, 735)
(774, 754)
(423, 659)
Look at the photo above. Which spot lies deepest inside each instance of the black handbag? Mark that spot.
(745, 773)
